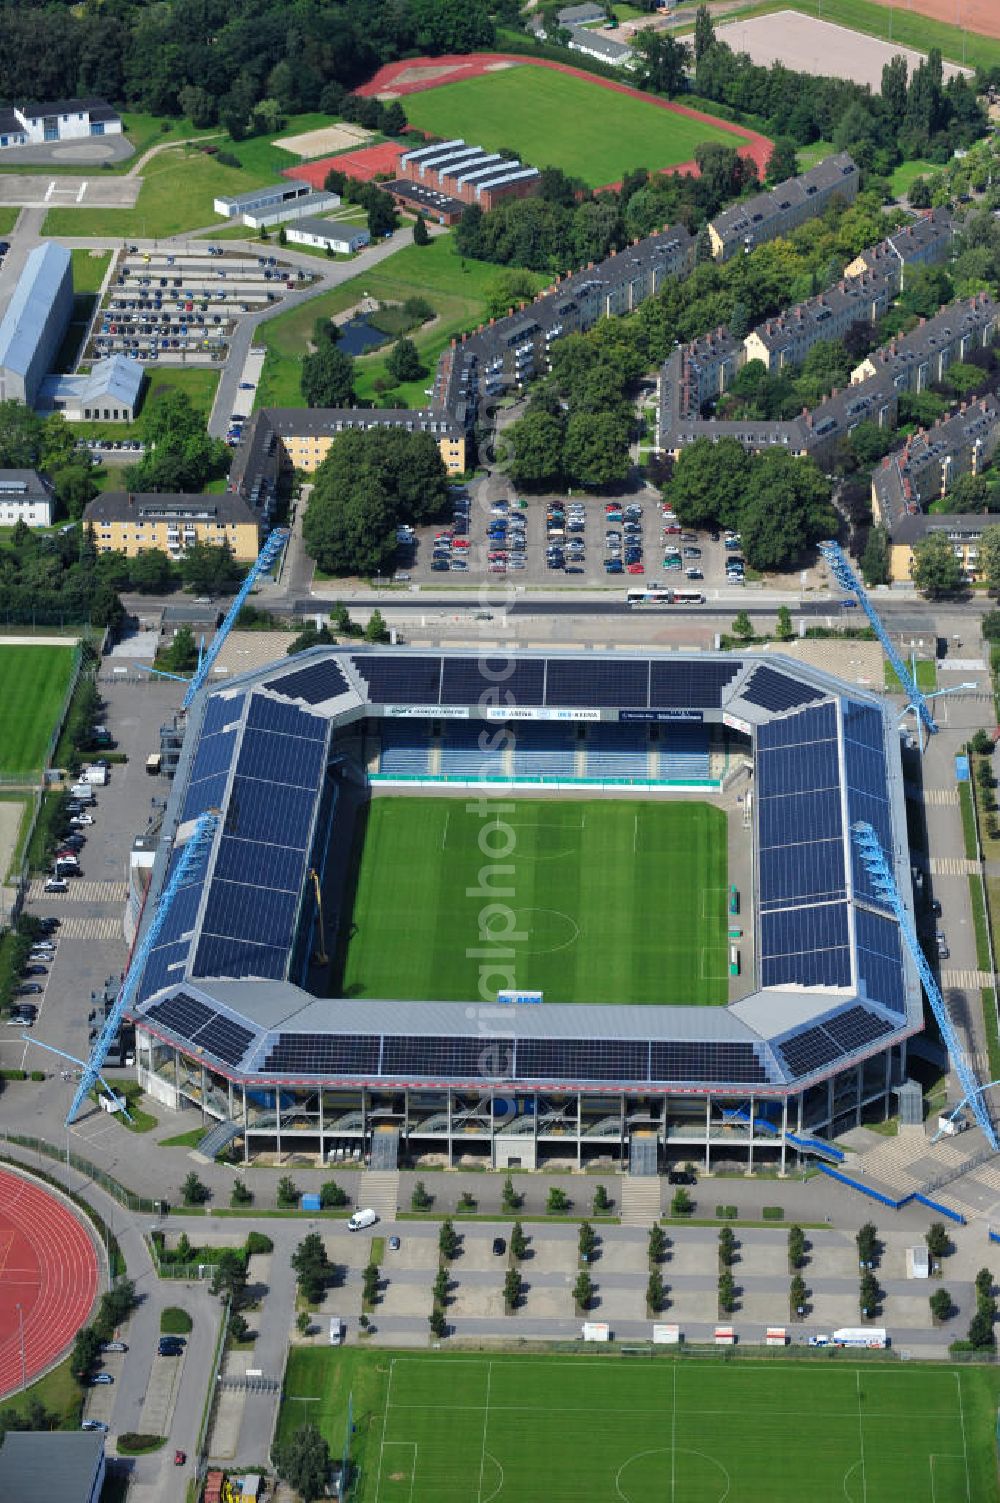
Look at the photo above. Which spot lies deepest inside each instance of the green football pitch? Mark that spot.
(557, 120)
(437, 1428)
(603, 900)
(33, 683)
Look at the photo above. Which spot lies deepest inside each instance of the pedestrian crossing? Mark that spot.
(79, 892)
(940, 795)
(92, 928)
(966, 980)
(953, 866)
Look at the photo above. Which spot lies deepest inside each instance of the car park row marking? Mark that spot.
(80, 892)
(966, 980)
(91, 928)
(953, 866)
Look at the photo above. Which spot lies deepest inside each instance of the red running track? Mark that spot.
(390, 80)
(48, 1265)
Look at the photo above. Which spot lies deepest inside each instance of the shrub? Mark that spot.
(421, 1199)
(772, 1213)
(227, 159)
(132, 1443)
(258, 1242)
(287, 1193)
(725, 1213)
(558, 1201)
(174, 1321)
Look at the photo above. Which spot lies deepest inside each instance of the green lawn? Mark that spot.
(808, 156)
(88, 269)
(909, 29)
(902, 179)
(926, 677)
(33, 683)
(437, 1428)
(8, 219)
(456, 288)
(555, 119)
(602, 915)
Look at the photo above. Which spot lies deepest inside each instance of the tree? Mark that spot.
(727, 1293)
(935, 569)
(981, 1326)
(657, 1243)
(534, 449)
(984, 1284)
(796, 1247)
(86, 1352)
(868, 1295)
(783, 161)
(784, 630)
(875, 565)
(312, 1267)
(989, 558)
(209, 567)
(150, 572)
(704, 33)
(709, 482)
(785, 507)
(287, 1193)
(681, 1204)
(403, 362)
(587, 1241)
(797, 1293)
(382, 217)
(937, 1239)
(376, 630)
(511, 1289)
(303, 1322)
(239, 1326)
(420, 235)
(241, 1195)
(595, 450)
(655, 1292)
(438, 1324)
(182, 653)
(442, 1283)
(327, 378)
(448, 1240)
(421, 1199)
(727, 1247)
(868, 1245)
(518, 1241)
(303, 1462)
(331, 1196)
(743, 626)
(369, 1283)
(602, 1201)
(229, 1278)
(310, 636)
(558, 1201)
(941, 1305)
(509, 1198)
(193, 1192)
(583, 1290)
(20, 436)
(660, 62)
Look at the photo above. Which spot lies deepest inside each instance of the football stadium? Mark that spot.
(529, 908)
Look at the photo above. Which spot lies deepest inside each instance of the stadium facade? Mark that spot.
(230, 1017)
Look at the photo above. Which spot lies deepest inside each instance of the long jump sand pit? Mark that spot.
(819, 47)
(328, 138)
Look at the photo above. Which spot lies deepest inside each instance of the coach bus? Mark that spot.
(642, 597)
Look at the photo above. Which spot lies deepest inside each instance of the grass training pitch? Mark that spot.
(33, 684)
(437, 1428)
(553, 119)
(615, 901)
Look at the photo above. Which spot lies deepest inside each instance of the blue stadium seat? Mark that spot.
(461, 755)
(683, 753)
(617, 751)
(405, 748)
(543, 751)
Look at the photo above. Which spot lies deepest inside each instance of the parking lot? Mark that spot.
(633, 541)
(184, 307)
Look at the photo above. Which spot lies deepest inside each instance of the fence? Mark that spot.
(114, 1187)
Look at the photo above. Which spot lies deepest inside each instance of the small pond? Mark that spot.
(358, 336)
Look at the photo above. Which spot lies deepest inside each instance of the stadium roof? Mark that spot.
(835, 980)
(36, 291)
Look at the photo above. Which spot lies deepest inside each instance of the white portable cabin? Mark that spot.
(725, 1336)
(775, 1336)
(596, 1330)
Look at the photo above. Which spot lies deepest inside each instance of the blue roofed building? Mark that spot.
(109, 392)
(35, 322)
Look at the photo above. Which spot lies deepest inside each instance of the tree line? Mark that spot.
(214, 60)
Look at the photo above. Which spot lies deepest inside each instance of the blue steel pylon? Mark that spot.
(877, 866)
(194, 852)
(267, 556)
(845, 576)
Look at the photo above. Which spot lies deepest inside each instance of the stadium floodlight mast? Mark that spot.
(876, 864)
(194, 852)
(979, 1091)
(845, 576)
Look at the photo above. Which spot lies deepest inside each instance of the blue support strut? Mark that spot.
(848, 580)
(194, 853)
(266, 559)
(876, 864)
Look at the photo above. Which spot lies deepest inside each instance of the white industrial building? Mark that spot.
(35, 322)
(276, 204)
(326, 234)
(61, 120)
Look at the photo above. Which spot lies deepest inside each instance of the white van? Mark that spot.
(82, 792)
(336, 1330)
(95, 774)
(360, 1220)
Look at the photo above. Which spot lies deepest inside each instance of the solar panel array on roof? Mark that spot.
(880, 959)
(322, 1054)
(182, 1014)
(816, 1047)
(577, 681)
(253, 900)
(478, 1058)
(203, 1028)
(689, 685)
(805, 946)
(776, 691)
(221, 711)
(314, 684)
(520, 681)
(809, 1050)
(166, 961)
(400, 680)
(855, 1027)
(867, 788)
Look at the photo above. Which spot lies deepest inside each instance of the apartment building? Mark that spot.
(133, 524)
(25, 497)
(753, 221)
(787, 339)
(926, 241)
(917, 360)
(964, 531)
(927, 465)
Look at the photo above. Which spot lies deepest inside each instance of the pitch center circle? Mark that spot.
(563, 930)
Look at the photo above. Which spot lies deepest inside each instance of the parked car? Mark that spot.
(56, 884)
(98, 1380)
